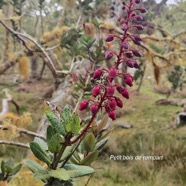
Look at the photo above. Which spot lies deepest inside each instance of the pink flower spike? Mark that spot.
(96, 91)
(83, 105)
(112, 115)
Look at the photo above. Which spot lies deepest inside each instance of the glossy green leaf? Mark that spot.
(88, 143)
(92, 156)
(39, 153)
(60, 173)
(73, 125)
(101, 143)
(16, 169)
(55, 143)
(75, 171)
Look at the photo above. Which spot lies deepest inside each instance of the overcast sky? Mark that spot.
(168, 2)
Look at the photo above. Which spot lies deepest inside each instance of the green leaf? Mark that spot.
(34, 166)
(88, 143)
(55, 121)
(50, 132)
(3, 167)
(75, 171)
(60, 173)
(16, 169)
(101, 143)
(73, 125)
(65, 115)
(39, 153)
(67, 152)
(55, 143)
(90, 158)
(39, 171)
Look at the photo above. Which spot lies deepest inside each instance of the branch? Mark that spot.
(14, 143)
(20, 35)
(21, 130)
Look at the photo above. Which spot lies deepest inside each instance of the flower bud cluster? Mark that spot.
(103, 92)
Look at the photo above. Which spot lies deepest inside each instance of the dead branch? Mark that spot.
(4, 142)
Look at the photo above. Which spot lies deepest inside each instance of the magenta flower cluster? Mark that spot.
(105, 87)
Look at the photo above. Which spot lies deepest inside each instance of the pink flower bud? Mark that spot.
(110, 91)
(123, 27)
(136, 42)
(136, 65)
(94, 108)
(139, 18)
(119, 89)
(119, 103)
(128, 80)
(129, 54)
(139, 27)
(112, 73)
(96, 91)
(112, 104)
(108, 55)
(83, 105)
(125, 93)
(142, 10)
(130, 63)
(136, 53)
(133, 14)
(97, 73)
(137, 1)
(112, 115)
(109, 38)
(125, 45)
(137, 38)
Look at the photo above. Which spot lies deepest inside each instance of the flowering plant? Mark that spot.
(70, 150)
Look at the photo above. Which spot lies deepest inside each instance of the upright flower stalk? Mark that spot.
(103, 92)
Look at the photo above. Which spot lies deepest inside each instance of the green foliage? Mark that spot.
(75, 171)
(55, 143)
(40, 153)
(73, 126)
(8, 169)
(60, 174)
(88, 143)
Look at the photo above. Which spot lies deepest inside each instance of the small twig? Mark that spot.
(21, 130)
(88, 180)
(14, 143)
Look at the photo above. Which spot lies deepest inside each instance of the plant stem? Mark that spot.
(58, 157)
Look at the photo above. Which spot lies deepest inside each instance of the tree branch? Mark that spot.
(14, 143)
(21, 130)
(21, 36)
